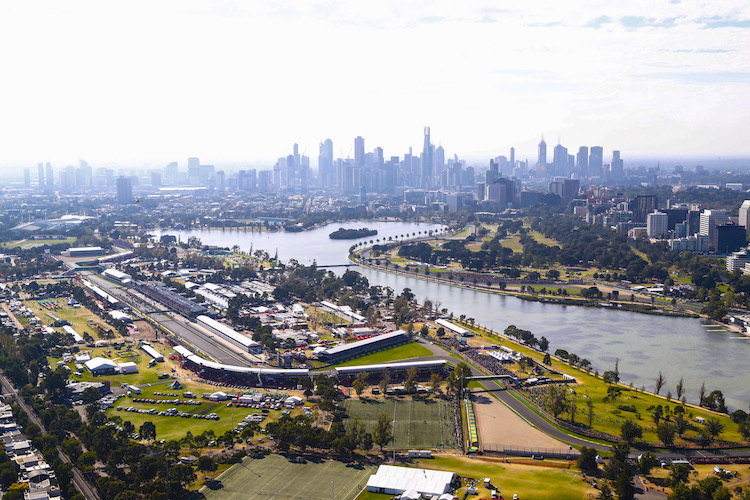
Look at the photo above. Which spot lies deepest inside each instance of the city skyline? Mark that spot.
(239, 83)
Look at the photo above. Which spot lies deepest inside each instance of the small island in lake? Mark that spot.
(352, 234)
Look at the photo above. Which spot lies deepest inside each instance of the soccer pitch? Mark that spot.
(419, 423)
(274, 477)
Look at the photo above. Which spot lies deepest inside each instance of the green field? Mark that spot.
(419, 423)
(176, 427)
(27, 244)
(275, 477)
(406, 351)
(513, 243)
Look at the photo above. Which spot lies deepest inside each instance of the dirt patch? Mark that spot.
(145, 330)
(499, 426)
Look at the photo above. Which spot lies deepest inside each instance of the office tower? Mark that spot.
(84, 174)
(560, 161)
(68, 178)
(124, 190)
(492, 174)
(582, 161)
(642, 205)
(50, 176)
(359, 151)
(439, 160)
(193, 170)
(427, 160)
(512, 157)
(204, 173)
(730, 238)
(615, 167)
(156, 179)
(656, 225)
(745, 215)
(40, 174)
(570, 188)
(27, 177)
(171, 176)
(709, 220)
(596, 162)
(326, 174)
(541, 163)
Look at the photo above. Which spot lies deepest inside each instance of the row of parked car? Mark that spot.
(167, 401)
(172, 412)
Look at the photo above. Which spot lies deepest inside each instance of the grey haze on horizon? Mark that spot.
(141, 84)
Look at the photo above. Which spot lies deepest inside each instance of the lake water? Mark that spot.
(644, 344)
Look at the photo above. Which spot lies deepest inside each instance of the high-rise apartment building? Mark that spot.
(50, 176)
(40, 174)
(326, 173)
(27, 177)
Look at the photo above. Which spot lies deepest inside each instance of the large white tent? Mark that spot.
(393, 480)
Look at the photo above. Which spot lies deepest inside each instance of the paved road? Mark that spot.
(78, 480)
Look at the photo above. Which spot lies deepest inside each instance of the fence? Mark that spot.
(563, 453)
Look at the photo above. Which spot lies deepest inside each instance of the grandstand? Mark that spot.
(110, 299)
(342, 352)
(242, 341)
(396, 371)
(241, 375)
(161, 293)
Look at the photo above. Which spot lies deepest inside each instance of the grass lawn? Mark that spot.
(513, 243)
(275, 477)
(609, 415)
(27, 244)
(145, 374)
(539, 238)
(78, 318)
(419, 423)
(539, 482)
(176, 427)
(406, 351)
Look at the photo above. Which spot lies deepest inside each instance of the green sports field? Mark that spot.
(419, 423)
(275, 477)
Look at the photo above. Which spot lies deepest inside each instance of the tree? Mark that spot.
(411, 380)
(590, 407)
(631, 431)
(547, 359)
(702, 394)
(425, 330)
(147, 431)
(714, 427)
(435, 381)
(587, 461)
(207, 464)
(660, 381)
(383, 434)
(91, 395)
(383, 384)
(679, 474)
(680, 388)
(360, 383)
(665, 431)
(646, 462)
(544, 344)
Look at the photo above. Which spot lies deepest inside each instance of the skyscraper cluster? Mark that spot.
(587, 163)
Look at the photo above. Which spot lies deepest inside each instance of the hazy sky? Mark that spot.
(145, 83)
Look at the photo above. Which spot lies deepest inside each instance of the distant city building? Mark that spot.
(730, 238)
(737, 260)
(40, 174)
(582, 161)
(49, 177)
(735, 186)
(541, 164)
(124, 190)
(642, 205)
(745, 215)
(708, 222)
(596, 162)
(657, 225)
(27, 177)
